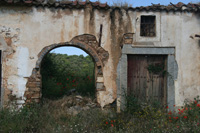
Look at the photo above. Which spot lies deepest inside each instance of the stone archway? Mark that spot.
(86, 42)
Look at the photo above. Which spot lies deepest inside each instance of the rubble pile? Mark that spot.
(74, 104)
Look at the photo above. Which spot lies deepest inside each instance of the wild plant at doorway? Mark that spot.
(152, 119)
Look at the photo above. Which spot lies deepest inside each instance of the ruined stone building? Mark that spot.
(151, 52)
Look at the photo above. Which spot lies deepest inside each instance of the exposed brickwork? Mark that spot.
(86, 42)
(33, 92)
(128, 38)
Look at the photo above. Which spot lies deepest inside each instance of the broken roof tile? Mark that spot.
(76, 4)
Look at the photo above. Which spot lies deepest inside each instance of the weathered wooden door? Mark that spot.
(147, 77)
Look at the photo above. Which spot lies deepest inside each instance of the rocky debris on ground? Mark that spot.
(74, 104)
(71, 92)
(111, 105)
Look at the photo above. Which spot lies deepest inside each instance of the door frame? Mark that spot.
(122, 75)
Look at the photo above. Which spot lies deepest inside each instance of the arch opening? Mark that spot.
(87, 43)
(65, 71)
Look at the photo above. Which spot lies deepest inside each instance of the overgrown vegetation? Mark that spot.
(62, 73)
(121, 3)
(52, 117)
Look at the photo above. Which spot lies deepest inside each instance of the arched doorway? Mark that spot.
(67, 71)
(86, 42)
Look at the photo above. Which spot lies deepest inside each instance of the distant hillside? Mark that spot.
(61, 72)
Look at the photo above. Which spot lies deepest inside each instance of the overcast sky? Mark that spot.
(134, 3)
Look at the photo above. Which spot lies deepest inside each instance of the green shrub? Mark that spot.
(62, 73)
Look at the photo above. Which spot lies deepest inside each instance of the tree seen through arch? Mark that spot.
(63, 73)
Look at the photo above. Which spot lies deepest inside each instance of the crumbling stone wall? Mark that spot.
(86, 42)
(29, 32)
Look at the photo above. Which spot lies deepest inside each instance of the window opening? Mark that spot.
(147, 26)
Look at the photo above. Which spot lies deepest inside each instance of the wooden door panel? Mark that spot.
(144, 81)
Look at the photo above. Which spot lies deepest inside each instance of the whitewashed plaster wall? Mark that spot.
(27, 30)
